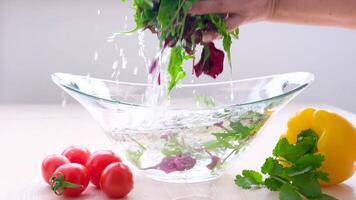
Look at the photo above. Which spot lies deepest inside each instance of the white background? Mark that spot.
(39, 37)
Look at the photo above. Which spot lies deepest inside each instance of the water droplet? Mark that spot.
(125, 24)
(64, 100)
(124, 62)
(232, 96)
(113, 74)
(111, 38)
(115, 64)
(99, 12)
(96, 55)
(123, 59)
(121, 51)
(117, 74)
(135, 71)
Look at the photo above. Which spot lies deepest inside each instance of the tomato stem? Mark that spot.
(58, 184)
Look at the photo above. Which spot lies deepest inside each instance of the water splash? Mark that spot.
(232, 95)
(141, 51)
(156, 93)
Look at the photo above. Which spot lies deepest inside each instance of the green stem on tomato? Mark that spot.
(58, 184)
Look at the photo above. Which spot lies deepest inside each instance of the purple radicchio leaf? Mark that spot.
(167, 165)
(184, 162)
(175, 163)
(211, 61)
(159, 79)
(153, 65)
(165, 137)
(214, 161)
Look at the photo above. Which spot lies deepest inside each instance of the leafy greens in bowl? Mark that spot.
(183, 32)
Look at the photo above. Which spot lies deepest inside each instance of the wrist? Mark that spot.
(272, 8)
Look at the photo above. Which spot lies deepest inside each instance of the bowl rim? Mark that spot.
(309, 78)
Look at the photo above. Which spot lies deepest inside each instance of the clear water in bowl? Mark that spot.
(196, 133)
(193, 151)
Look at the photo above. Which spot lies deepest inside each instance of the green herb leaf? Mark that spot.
(288, 193)
(308, 138)
(273, 184)
(307, 184)
(174, 146)
(288, 151)
(249, 179)
(240, 131)
(272, 167)
(219, 23)
(175, 66)
(306, 142)
(310, 160)
(306, 163)
(322, 176)
(293, 171)
(135, 157)
(227, 46)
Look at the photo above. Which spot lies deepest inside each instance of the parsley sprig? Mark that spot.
(239, 132)
(292, 170)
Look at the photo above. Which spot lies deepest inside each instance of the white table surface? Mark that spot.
(28, 133)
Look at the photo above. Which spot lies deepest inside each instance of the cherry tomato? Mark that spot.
(70, 179)
(116, 180)
(50, 164)
(77, 154)
(97, 163)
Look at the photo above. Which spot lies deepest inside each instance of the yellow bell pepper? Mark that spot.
(337, 141)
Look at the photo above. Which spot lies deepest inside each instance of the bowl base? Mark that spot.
(183, 177)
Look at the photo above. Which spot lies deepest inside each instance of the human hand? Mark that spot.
(238, 12)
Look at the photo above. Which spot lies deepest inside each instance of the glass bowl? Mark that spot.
(194, 134)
